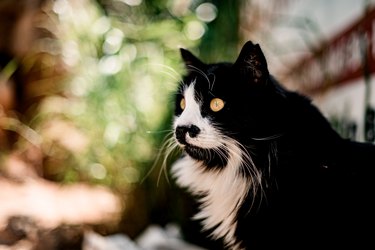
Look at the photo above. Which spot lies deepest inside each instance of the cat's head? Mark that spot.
(223, 104)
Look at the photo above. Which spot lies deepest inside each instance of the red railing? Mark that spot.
(345, 57)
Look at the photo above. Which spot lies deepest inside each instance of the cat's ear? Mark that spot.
(251, 61)
(191, 61)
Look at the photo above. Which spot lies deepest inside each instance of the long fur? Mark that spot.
(268, 169)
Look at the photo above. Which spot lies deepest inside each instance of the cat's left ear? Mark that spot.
(251, 61)
(191, 61)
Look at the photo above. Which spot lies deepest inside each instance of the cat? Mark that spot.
(265, 165)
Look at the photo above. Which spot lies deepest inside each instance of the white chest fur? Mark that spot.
(222, 192)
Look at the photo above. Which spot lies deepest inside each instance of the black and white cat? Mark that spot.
(266, 166)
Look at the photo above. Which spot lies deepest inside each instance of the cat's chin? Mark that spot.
(210, 157)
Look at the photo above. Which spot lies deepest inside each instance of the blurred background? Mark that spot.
(86, 91)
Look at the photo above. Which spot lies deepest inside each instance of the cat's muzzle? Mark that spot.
(182, 131)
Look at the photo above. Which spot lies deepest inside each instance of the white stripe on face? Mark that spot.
(223, 191)
(191, 115)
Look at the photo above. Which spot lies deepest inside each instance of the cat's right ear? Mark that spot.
(191, 61)
(252, 61)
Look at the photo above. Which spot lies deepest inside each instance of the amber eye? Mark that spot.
(216, 104)
(182, 104)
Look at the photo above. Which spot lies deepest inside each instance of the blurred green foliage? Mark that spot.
(223, 32)
(121, 66)
(125, 61)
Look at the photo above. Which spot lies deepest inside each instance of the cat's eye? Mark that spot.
(216, 104)
(182, 104)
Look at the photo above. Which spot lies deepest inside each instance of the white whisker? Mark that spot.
(168, 147)
(171, 71)
(216, 167)
(201, 72)
(159, 131)
(272, 137)
(213, 82)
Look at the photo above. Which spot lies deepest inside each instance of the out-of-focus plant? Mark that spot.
(30, 69)
(107, 126)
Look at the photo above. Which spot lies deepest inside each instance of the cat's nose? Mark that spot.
(181, 132)
(193, 131)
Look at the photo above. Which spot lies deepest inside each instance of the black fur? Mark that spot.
(317, 188)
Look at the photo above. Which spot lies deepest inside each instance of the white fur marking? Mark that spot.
(222, 191)
(207, 138)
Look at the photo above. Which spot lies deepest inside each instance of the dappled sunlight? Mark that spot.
(82, 85)
(87, 91)
(51, 205)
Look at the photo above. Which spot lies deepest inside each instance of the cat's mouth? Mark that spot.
(211, 157)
